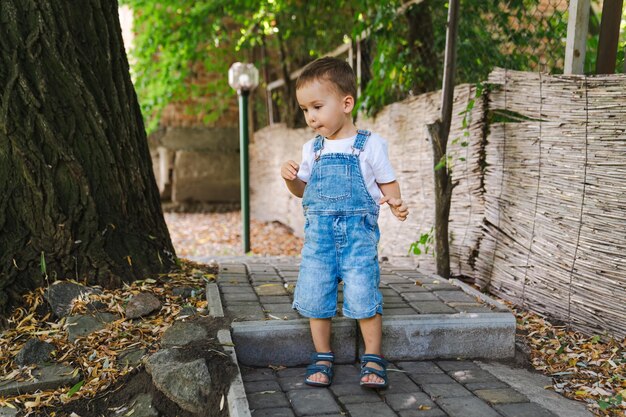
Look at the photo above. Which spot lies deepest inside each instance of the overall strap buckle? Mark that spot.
(318, 146)
(359, 142)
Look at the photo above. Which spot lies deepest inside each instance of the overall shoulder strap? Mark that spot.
(359, 142)
(318, 145)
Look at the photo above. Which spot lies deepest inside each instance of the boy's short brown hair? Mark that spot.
(337, 71)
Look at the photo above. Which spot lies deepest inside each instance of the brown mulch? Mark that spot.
(219, 234)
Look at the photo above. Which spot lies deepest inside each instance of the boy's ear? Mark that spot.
(348, 104)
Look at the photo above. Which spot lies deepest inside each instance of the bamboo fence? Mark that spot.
(555, 198)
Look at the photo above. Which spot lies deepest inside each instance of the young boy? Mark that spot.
(344, 176)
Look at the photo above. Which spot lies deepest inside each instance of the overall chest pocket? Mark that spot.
(334, 182)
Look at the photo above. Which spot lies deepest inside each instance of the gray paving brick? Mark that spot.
(420, 367)
(408, 400)
(466, 407)
(470, 308)
(275, 299)
(406, 311)
(293, 382)
(472, 375)
(422, 379)
(501, 396)
(246, 312)
(261, 386)
(402, 304)
(524, 410)
(407, 287)
(273, 412)
(269, 400)
(455, 296)
(441, 286)
(433, 412)
(278, 308)
(257, 374)
(240, 296)
(292, 371)
(419, 296)
(241, 303)
(236, 289)
(232, 279)
(446, 390)
(370, 410)
(357, 399)
(400, 382)
(432, 307)
(346, 374)
(343, 390)
(494, 384)
(449, 366)
(311, 402)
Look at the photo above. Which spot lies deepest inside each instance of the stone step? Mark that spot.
(425, 317)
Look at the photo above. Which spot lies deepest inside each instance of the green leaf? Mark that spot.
(75, 388)
(42, 263)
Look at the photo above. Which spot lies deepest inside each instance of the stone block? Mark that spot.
(48, 377)
(524, 410)
(488, 335)
(273, 412)
(379, 409)
(432, 307)
(261, 343)
(313, 402)
(260, 400)
(205, 176)
(446, 390)
(501, 396)
(408, 400)
(466, 407)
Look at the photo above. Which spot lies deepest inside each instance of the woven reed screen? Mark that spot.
(555, 197)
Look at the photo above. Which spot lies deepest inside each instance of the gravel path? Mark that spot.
(219, 234)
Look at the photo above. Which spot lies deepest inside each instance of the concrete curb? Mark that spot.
(289, 343)
(237, 401)
(214, 301)
(448, 336)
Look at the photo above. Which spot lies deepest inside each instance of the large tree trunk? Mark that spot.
(78, 193)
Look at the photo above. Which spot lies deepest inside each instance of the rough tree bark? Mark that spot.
(77, 190)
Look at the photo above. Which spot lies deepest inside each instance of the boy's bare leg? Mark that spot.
(372, 331)
(320, 331)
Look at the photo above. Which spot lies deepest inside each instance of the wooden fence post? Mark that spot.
(577, 27)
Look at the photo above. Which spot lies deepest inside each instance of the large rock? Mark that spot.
(34, 352)
(44, 378)
(182, 333)
(188, 384)
(79, 325)
(142, 305)
(61, 295)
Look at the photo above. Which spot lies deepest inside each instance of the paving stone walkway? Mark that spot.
(416, 389)
(431, 326)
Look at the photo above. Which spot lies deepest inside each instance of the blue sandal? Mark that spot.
(366, 370)
(315, 368)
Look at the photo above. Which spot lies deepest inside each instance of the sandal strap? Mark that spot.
(377, 359)
(314, 369)
(366, 370)
(323, 356)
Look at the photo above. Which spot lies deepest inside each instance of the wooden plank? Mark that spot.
(577, 27)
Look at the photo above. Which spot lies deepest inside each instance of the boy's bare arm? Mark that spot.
(289, 172)
(392, 196)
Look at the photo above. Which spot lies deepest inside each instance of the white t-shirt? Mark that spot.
(374, 161)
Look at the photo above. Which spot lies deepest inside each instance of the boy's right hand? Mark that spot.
(289, 170)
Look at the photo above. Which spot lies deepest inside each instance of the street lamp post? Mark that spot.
(244, 78)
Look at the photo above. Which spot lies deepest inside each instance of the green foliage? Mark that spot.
(610, 402)
(423, 244)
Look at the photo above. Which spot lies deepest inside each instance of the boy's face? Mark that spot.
(326, 111)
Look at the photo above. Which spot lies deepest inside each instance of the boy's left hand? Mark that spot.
(397, 206)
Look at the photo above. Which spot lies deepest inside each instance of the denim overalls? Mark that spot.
(340, 238)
